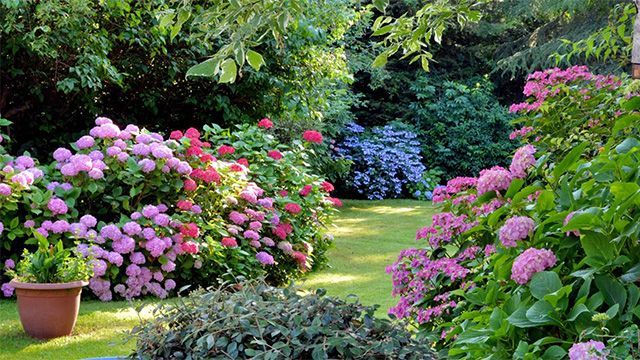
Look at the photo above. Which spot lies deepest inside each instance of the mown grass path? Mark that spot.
(368, 237)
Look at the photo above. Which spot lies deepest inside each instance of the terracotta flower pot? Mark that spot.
(48, 310)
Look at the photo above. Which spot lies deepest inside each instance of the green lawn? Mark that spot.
(368, 237)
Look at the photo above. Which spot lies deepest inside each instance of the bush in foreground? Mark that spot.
(540, 259)
(258, 321)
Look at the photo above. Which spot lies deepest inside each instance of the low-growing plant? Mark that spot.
(253, 320)
(50, 264)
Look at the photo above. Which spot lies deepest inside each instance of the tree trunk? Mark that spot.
(635, 52)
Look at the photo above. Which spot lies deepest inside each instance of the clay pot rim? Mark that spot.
(48, 286)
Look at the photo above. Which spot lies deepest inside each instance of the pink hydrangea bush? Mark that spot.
(525, 259)
(154, 213)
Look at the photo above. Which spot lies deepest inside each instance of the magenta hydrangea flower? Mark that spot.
(5, 190)
(7, 290)
(1, 227)
(57, 206)
(238, 218)
(111, 232)
(514, 229)
(85, 142)
(530, 262)
(147, 165)
(590, 350)
(88, 221)
(495, 179)
(62, 154)
(137, 258)
(523, 159)
(169, 285)
(29, 224)
(264, 258)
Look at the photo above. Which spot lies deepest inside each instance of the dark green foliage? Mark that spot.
(463, 128)
(257, 321)
(64, 62)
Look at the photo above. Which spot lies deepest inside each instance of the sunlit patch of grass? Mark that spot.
(368, 237)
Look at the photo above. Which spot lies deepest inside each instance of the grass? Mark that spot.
(100, 331)
(368, 237)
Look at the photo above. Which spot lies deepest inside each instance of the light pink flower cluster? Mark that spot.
(522, 160)
(18, 174)
(109, 146)
(530, 262)
(495, 179)
(515, 229)
(590, 350)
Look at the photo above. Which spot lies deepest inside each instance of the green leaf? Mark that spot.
(627, 145)
(577, 311)
(570, 160)
(255, 59)
(539, 313)
(380, 60)
(519, 319)
(206, 68)
(632, 275)
(612, 290)
(543, 283)
(228, 71)
(598, 246)
(554, 352)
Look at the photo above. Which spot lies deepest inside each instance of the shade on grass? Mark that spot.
(368, 237)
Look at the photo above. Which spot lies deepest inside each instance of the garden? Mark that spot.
(302, 180)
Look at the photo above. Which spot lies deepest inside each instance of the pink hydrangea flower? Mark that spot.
(265, 123)
(530, 262)
(264, 258)
(57, 206)
(590, 350)
(514, 229)
(312, 136)
(523, 159)
(495, 179)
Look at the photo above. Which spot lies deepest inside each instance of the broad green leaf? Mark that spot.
(570, 160)
(206, 68)
(612, 290)
(228, 71)
(255, 59)
(543, 283)
(540, 313)
(380, 60)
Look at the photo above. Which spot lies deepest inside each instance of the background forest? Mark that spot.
(302, 64)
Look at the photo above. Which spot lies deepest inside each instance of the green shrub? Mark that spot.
(257, 321)
(539, 260)
(463, 128)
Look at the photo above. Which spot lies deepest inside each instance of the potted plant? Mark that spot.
(48, 284)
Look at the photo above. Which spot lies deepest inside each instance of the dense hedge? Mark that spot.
(540, 259)
(153, 213)
(256, 321)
